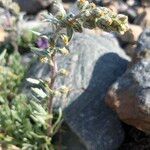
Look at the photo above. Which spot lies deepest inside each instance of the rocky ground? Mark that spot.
(109, 107)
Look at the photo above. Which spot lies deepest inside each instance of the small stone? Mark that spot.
(143, 18)
(144, 41)
(132, 35)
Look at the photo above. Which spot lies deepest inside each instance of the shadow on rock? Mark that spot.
(88, 116)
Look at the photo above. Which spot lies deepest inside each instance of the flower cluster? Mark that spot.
(90, 16)
(101, 17)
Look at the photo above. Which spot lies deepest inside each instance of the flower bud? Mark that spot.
(104, 21)
(97, 12)
(122, 28)
(57, 93)
(122, 18)
(58, 10)
(90, 24)
(1, 69)
(12, 75)
(77, 27)
(82, 4)
(43, 59)
(65, 39)
(15, 8)
(63, 72)
(64, 90)
(92, 5)
(64, 51)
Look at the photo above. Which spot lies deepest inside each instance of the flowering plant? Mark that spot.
(56, 43)
(32, 124)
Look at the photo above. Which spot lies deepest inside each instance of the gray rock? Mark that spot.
(70, 140)
(143, 47)
(94, 64)
(144, 40)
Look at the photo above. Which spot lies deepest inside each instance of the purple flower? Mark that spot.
(42, 43)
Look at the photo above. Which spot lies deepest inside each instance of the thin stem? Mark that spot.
(51, 86)
(54, 75)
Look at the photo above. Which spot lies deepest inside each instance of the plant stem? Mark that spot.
(51, 86)
(53, 77)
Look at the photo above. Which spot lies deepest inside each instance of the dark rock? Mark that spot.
(33, 6)
(103, 2)
(144, 41)
(143, 46)
(135, 139)
(133, 2)
(94, 64)
(68, 140)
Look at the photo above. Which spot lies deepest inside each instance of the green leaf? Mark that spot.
(40, 52)
(2, 101)
(33, 81)
(2, 55)
(39, 92)
(38, 107)
(77, 27)
(36, 33)
(69, 33)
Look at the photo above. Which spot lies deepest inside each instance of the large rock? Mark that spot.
(130, 95)
(94, 64)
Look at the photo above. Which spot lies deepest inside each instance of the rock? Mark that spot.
(69, 140)
(133, 2)
(130, 49)
(145, 3)
(131, 13)
(144, 41)
(135, 139)
(105, 2)
(114, 6)
(143, 47)
(130, 96)
(33, 6)
(94, 64)
(146, 21)
(143, 18)
(132, 35)
(85, 115)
